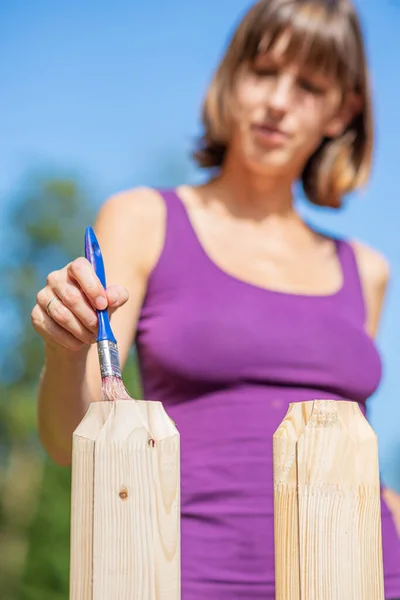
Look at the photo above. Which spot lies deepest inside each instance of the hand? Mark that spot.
(64, 314)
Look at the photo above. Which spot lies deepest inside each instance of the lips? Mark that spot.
(269, 133)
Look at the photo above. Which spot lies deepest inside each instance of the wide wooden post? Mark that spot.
(327, 504)
(125, 519)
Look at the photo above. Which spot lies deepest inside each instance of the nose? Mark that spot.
(279, 94)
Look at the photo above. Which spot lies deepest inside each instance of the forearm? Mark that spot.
(65, 393)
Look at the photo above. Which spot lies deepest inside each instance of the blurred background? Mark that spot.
(96, 97)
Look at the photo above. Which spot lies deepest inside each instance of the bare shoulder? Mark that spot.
(135, 219)
(374, 269)
(136, 208)
(139, 201)
(373, 265)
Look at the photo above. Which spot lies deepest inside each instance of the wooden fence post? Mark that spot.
(327, 504)
(125, 514)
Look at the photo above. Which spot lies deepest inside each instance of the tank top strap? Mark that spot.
(352, 287)
(179, 257)
(174, 208)
(179, 231)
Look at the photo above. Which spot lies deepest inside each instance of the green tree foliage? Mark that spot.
(45, 230)
(47, 223)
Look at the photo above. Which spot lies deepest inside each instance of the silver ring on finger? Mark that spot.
(49, 304)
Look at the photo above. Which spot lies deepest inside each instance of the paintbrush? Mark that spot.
(112, 387)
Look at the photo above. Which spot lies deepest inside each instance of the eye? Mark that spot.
(311, 87)
(265, 71)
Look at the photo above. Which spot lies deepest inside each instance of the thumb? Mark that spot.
(117, 296)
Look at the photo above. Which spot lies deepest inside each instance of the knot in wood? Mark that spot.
(123, 494)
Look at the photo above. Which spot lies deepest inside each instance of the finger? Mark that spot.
(117, 296)
(51, 332)
(60, 314)
(83, 273)
(75, 300)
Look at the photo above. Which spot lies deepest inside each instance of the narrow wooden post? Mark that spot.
(327, 504)
(125, 514)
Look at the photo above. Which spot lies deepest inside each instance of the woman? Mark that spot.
(237, 306)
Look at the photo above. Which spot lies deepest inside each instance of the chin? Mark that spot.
(270, 163)
(284, 160)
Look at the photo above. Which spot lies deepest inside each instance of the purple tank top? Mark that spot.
(226, 358)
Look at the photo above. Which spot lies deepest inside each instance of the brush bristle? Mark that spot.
(113, 389)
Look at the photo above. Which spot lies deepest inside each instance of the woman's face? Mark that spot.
(282, 114)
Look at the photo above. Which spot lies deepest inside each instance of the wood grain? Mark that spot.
(328, 542)
(125, 521)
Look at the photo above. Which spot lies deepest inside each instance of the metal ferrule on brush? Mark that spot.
(109, 359)
(106, 342)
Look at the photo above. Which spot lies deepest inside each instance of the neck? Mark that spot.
(250, 194)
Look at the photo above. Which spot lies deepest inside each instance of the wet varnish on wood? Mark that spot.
(125, 514)
(327, 504)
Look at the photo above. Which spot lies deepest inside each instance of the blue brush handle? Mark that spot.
(93, 254)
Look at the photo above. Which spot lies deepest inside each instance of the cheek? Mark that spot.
(248, 97)
(311, 118)
(313, 115)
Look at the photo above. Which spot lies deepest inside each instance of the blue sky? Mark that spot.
(111, 92)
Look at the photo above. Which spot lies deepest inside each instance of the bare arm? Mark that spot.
(130, 230)
(375, 273)
(392, 499)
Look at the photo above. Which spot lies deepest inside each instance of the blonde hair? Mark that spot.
(325, 35)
